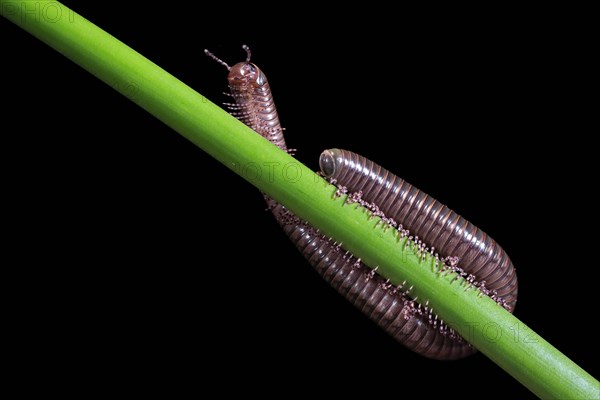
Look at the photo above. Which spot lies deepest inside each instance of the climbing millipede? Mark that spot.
(459, 244)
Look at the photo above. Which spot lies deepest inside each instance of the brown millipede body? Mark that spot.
(433, 223)
(407, 209)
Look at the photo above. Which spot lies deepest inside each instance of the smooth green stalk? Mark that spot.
(495, 332)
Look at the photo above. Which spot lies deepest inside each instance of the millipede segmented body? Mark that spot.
(384, 304)
(425, 217)
(414, 325)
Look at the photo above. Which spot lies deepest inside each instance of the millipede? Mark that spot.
(432, 226)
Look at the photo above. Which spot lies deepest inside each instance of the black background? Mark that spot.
(156, 261)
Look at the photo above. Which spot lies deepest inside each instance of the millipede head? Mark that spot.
(245, 73)
(329, 161)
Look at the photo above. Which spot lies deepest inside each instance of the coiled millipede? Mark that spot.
(472, 253)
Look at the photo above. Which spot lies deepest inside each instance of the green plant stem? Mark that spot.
(495, 332)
